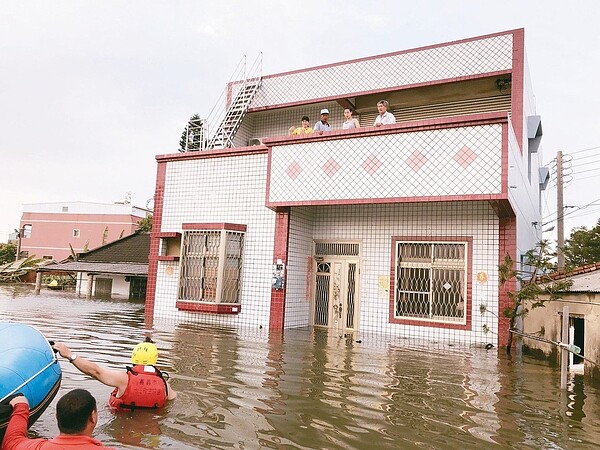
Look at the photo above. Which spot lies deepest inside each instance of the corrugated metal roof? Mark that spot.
(587, 282)
(96, 268)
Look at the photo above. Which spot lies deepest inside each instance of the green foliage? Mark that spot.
(145, 224)
(583, 246)
(535, 284)
(192, 135)
(15, 271)
(7, 253)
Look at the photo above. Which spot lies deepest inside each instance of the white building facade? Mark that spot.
(394, 230)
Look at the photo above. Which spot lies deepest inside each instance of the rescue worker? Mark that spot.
(140, 386)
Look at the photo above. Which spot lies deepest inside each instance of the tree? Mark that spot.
(583, 246)
(535, 284)
(145, 224)
(7, 253)
(193, 135)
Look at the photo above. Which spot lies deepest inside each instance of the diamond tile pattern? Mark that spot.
(293, 170)
(371, 164)
(416, 160)
(413, 164)
(465, 156)
(331, 167)
(420, 66)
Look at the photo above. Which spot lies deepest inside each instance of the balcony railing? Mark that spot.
(442, 159)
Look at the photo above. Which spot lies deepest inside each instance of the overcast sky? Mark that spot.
(91, 91)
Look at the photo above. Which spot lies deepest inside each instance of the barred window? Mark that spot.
(211, 266)
(431, 281)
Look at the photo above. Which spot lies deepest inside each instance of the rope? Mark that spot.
(566, 347)
(28, 380)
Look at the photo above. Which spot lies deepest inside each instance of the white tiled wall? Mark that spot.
(232, 190)
(374, 226)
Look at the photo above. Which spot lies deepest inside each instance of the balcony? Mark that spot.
(453, 158)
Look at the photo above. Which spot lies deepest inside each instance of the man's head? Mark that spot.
(75, 411)
(145, 353)
(382, 106)
(324, 114)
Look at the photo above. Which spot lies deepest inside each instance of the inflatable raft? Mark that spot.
(27, 365)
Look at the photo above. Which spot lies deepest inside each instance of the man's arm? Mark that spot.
(114, 378)
(16, 432)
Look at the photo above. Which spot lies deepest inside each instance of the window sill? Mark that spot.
(210, 308)
(168, 258)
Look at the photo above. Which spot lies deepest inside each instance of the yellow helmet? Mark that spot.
(145, 353)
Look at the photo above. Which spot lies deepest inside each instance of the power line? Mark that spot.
(584, 150)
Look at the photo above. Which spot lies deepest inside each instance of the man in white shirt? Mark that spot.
(323, 124)
(384, 117)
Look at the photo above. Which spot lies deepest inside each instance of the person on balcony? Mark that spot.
(350, 121)
(323, 124)
(303, 129)
(384, 117)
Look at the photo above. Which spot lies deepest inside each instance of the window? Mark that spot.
(75, 233)
(65, 209)
(211, 266)
(431, 281)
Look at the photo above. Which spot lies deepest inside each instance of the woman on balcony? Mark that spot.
(303, 129)
(350, 122)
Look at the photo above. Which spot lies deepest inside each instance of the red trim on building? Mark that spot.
(167, 234)
(216, 153)
(504, 160)
(214, 226)
(211, 308)
(378, 201)
(161, 175)
(507, 246)
(280, 251)
(518, 85)
(469, 288)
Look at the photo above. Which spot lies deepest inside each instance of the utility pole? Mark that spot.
(560, 210)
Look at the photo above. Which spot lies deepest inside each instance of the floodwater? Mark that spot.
(308, 389)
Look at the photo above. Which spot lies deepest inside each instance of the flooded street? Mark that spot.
(309, 390)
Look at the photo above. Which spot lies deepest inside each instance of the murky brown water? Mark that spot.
(310, 390)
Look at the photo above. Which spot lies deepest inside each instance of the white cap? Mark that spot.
(324, 111)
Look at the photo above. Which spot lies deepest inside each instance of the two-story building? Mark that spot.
(394, 230)
(56, 230)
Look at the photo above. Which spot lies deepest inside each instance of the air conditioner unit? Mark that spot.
(254, 141)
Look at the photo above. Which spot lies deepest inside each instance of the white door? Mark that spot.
(336, 294)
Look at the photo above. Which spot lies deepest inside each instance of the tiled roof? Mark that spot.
(126, 256)
(585, 278)
(134, 248)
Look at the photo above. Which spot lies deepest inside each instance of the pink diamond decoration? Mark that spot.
(331, 167)
(293, 170)
(416, 160)
(371, 164)
(465, 156)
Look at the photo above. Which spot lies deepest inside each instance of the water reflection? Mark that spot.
(310, 389)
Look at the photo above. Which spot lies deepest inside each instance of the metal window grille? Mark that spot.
(336, 249)
(211, 266)
(431, 281)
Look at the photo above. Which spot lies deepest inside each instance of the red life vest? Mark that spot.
(146, 388)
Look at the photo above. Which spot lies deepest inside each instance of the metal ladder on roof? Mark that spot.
(245, 92)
